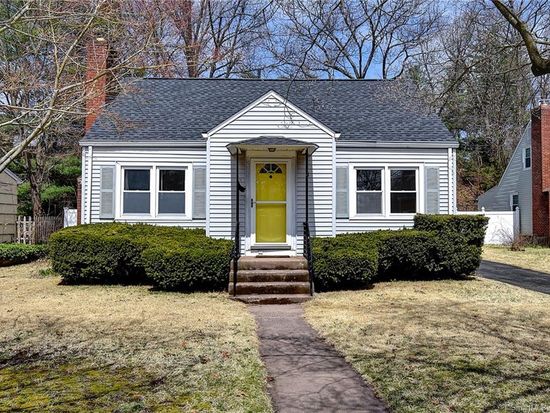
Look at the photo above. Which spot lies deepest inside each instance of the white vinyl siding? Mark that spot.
(270, 117)
(515, 180)
(137, 157)
(397, 158)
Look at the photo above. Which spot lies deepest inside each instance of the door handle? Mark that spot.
(251, 202)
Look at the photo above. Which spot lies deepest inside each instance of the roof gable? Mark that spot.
(285, 102)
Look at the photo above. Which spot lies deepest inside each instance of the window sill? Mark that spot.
(158, 218)
(366, 217)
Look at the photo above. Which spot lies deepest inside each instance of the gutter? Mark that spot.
(173, 144)
(342, 144)
(408, 144)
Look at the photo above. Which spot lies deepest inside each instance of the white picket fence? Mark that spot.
(31, 231)
(503, 226)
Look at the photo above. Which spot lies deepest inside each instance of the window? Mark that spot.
(171, 191)
(514, 201)
(527, 158)
(403, 191)
(369, 191)
(137, 191)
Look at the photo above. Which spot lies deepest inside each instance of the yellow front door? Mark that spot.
(270, 202)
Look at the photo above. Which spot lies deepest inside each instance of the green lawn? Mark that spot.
(123, 349)
(533, 258)
(444, 346)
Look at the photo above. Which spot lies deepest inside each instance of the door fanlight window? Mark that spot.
(271, 168)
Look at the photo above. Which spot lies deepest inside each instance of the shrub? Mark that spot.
(440, 246)
(471, 228)
(97, 253)
(410, 254)
(169, 257)
(346, 261)
(196, 268)
(406, 253)
(11, 254)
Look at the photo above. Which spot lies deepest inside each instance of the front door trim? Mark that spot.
(290, 210)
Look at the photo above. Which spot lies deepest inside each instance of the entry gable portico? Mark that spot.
(263, 150)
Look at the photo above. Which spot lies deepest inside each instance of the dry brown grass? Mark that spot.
(532, 258)
(102, 348)
(444, 346)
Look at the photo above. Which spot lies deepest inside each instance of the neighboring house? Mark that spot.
(8, 205)
(525, 183)
(514, 188)
(173, 152)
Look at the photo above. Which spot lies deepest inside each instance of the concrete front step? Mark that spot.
(272, 263)
(272, 298)
(270, 275)
(244, 288)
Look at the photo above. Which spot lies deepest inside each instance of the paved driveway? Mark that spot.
(531, 280)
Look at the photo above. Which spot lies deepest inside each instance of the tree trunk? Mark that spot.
(35, 188)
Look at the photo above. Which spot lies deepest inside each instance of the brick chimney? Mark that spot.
(540, 170)
(97, 55)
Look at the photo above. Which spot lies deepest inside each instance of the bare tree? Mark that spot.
(531, 19)
(353, 39)
(203, 38)
(43, 83)
(477, 78)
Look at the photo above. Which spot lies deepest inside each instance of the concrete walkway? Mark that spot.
(306, 374)
(531, 280)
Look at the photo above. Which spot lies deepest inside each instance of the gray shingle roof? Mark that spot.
(183, 109)
(273, 140)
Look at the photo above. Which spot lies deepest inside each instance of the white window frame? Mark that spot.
(382, 190)
(512, 195)
(524, 157)
(386, 190)
(154, 184)
(150, 191)
(187, 191)
(416, 191)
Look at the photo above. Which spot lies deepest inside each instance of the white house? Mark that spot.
(333, 156)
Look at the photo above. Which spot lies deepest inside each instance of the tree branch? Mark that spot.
(539, 65)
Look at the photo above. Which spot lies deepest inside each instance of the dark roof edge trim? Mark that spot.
(14, 176)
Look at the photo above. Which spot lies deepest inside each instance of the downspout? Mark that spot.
(207, 185)
(455, 182)
(89, 189)
(83, 190)
(307, 187)
(451, 180)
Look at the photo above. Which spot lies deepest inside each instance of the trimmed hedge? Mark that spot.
(344, 261)
(471, 228)
(196, 268)
(12, 254)
(413, 254)
(184, 259)
(440, 246)
(168, 257)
